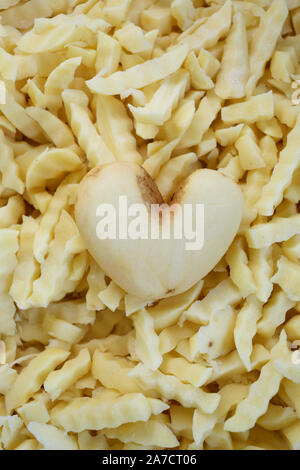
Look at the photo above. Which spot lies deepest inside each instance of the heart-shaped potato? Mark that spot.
(153, 269)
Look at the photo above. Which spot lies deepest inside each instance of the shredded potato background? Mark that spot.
(173, 85)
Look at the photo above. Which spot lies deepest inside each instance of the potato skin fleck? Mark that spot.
(178, 195)
(94, 172)
(149, 191)
(170, 291)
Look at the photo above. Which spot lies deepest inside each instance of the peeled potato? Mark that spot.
(153, 269)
